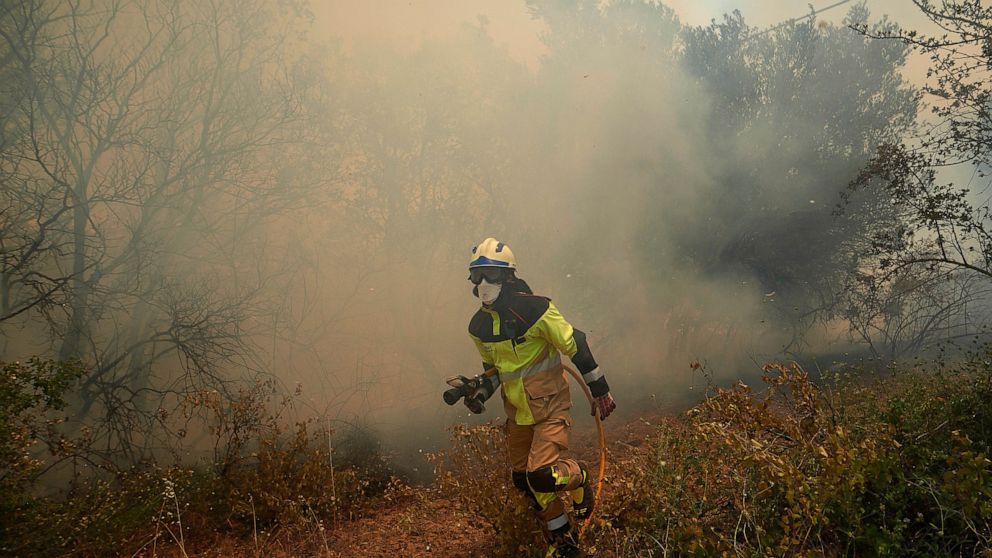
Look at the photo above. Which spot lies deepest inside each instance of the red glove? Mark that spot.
(604, 405)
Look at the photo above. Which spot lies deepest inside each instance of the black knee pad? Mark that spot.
(543, 479)
(520, 481)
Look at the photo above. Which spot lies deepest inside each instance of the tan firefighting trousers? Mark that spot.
(532, 448)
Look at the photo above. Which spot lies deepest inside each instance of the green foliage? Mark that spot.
(38, 383)
(100, 517)
(29, 392)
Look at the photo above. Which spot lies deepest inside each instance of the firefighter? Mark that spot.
(523, 336)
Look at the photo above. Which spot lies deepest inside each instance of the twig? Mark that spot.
(320, 529)
(740, 518)
(330, 458)
(657, 542)
(932, 430)
(179, 521)
(158, 523)
(254, 524)
(170, 492)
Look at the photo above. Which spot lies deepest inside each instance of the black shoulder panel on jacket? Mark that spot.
(529, 308)
(518, 312)
(481, 325)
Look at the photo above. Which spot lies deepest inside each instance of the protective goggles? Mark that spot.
(492, 275)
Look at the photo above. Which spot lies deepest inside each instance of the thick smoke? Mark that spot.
(672, 216)
(670, 183)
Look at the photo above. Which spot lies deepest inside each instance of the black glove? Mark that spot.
(475, 403)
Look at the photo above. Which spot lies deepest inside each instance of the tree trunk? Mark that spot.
(79, 299)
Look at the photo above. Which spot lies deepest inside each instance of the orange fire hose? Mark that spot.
(602, 445)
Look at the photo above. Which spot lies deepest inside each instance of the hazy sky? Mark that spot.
(405, 23)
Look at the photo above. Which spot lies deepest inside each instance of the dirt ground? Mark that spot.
(422, 524)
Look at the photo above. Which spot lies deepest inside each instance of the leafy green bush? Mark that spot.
(29, 394)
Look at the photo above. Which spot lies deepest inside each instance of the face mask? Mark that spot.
(488, 292)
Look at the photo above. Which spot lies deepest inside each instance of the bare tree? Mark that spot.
(939, 239)
(32, 210)
(142, 155)
(905, 315)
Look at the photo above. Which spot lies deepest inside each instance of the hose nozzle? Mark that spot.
(465, 387)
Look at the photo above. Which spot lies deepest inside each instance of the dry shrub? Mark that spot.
(655, 501)
(266, 476)
(476, 471)
(268, 480)
(799, 478)
(885, 468)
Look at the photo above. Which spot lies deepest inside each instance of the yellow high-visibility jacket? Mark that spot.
(523, 335)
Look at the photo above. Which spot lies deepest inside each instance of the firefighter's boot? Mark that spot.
(563, 544)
